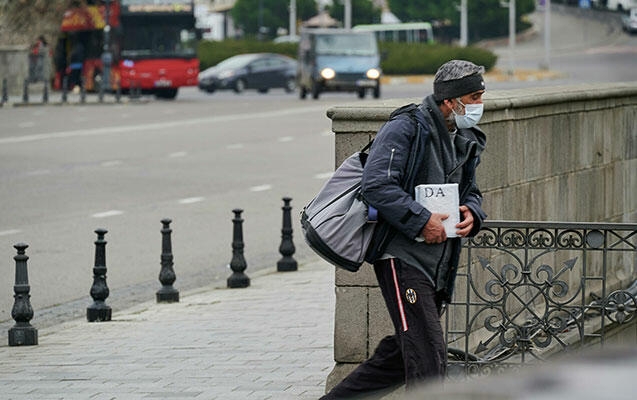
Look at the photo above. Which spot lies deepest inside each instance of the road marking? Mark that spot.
(285, 139)
(191, 200)
(324, 175)
(177, 154)
(235, 146)
(105, 214)
(28, 124)
(9, 232)
(276, 114)
(327, 133)
(37, 172)
(111, 163)
(261, 188)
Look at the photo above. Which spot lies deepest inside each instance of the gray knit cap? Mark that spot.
(456, 78)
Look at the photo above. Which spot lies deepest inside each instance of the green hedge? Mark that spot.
(414, 59)
(398, 58)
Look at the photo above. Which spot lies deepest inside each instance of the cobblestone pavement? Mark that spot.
(272, 340)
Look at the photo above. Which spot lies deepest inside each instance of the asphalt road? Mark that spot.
(66, 171)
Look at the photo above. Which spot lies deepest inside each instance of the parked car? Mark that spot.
(629, 21)
(260, 71)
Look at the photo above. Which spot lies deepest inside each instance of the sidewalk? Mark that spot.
(272, 340)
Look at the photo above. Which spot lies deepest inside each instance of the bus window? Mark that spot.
(409, 32)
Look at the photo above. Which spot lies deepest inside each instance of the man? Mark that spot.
(414, 261)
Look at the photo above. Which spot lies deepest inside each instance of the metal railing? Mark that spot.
(527, 290)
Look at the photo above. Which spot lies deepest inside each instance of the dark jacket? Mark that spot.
(388, 186)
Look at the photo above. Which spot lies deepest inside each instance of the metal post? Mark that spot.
(99, 311)
(65, 89)
(348, 14)
(22, 333)
(547, 35)
(511, 5)
(464, 25)
(107, 56)
(292, 18)
(45, 92)
(82, 90)
(5, 91)
(238, 264)
(511, 36)
(167, 294)
(25, 91)
(287, 262)
(118, 91)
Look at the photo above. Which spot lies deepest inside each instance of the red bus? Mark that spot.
(152, 43)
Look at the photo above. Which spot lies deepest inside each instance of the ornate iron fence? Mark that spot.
(527, 290)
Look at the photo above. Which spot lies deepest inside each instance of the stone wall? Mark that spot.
(14, 67)
(553, 154)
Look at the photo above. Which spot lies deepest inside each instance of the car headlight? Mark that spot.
(373, 73)
(328, 73)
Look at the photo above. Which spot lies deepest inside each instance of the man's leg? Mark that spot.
(421, 337)
(385, 368)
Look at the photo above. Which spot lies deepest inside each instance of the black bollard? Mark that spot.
(45, 93)
(22, 333)
(25, 91)
(99, 311)
(167, 293)
(65, 89)
(287, 262)
(5, 91)
(238, 264)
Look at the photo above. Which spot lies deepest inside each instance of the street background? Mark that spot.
(68, 170)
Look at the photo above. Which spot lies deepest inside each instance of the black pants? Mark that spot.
(417, 351)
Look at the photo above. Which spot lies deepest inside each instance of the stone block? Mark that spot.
(364, 277)
(350, 325)
(380, 324)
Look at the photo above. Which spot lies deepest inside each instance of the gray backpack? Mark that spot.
(338, 224)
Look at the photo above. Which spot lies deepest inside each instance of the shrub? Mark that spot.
(398, 58)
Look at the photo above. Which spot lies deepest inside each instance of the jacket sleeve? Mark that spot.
(384, 173)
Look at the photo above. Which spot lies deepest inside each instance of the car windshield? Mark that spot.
(348, 44)
(236, 61)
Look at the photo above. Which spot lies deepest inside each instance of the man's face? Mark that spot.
(451, 106)
(470, 98)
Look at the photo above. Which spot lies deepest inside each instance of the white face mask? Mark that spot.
(471, 117)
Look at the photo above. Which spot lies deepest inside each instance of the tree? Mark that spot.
(271, 14)
(363, 12)
(487, 18)
(17, 19)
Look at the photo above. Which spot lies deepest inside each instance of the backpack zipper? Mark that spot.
(391, 160)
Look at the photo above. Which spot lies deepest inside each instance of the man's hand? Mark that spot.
(466, 222)
(434, 232)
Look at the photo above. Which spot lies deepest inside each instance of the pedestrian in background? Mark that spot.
(76, 65)
(417, 266)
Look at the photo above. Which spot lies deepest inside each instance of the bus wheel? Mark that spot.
(168, 94)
